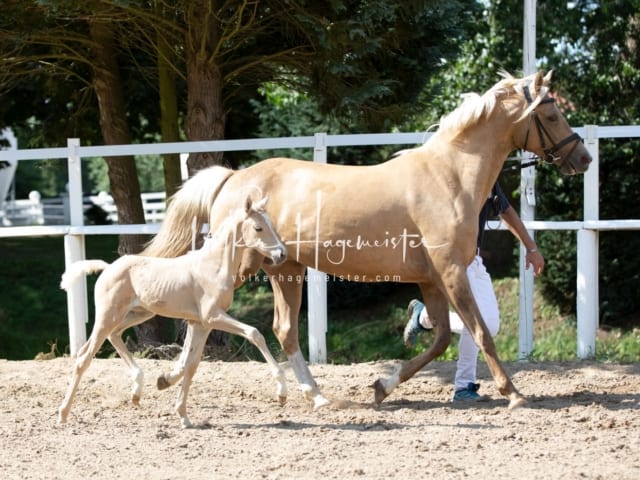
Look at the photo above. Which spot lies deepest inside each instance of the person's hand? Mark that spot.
(535, 259)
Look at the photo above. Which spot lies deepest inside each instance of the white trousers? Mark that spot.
(482, 289)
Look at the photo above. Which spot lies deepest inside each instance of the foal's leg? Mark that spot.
(287, 297)
(166, 380)
(228, 324)
(134, 317)
(83, 360)
(186, 367)
(437, 306)
(461, 297)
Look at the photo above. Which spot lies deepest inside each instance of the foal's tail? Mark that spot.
(76, 269)
(193, 200)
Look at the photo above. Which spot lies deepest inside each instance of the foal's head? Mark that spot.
(258, 233)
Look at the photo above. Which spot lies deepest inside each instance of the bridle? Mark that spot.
(551, 153)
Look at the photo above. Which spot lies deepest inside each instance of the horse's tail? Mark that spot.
(193, 200)
(79, 268)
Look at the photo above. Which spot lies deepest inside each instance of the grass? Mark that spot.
(33, 314)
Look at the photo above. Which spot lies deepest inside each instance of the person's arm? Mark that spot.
(533, 257)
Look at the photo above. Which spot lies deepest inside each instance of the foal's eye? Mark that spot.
(257, 228)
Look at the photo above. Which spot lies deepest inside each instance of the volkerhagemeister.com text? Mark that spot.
(280, 277)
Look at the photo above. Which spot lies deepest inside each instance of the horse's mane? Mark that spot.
(476, 107)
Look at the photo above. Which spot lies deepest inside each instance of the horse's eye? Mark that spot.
(553, 118)
(257, 228)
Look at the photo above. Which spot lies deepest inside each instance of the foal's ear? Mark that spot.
(259, 207)
(247, 204)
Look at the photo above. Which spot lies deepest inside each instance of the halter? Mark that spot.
(550, 154)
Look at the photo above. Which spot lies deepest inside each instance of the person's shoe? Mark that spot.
(413, 328)
(467, 394)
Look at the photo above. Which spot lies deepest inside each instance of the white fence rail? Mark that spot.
(587, 228)
(153, 204)
(55, 211)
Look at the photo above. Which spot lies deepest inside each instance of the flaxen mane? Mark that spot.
(476, 107)
(182, 208)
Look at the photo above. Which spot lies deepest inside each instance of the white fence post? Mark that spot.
(316, 281)
(525, 317)
(74, 250)
(587, 295)
(587, 292)
(527, 197)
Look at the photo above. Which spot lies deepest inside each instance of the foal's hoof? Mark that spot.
(379, 392)
(162, 383)
(517, 402)
(62, 418)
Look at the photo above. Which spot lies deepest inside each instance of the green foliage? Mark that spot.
(287, 113)
(375, 56)
(33, 309)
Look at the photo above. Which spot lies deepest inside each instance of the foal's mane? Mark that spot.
(234, 218)
(227, 226)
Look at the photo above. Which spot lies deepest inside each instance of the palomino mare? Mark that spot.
(412, 219)
(197, 286)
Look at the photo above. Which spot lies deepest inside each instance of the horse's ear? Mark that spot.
(543, 80)
(539, 81)
(247, 204)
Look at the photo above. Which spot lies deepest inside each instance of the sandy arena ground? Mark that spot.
(582, 422)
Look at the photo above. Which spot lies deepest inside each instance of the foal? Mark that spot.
(197, 286)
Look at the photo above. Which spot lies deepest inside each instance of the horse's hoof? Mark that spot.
(135, 399)
(319, 401)
(162, 383)
(379, 392)
(282, 400)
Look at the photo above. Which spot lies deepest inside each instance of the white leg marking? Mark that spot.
(392, 382)
(306, 381)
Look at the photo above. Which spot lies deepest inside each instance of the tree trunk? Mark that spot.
(205, 112)
(168, 110)
(123, 177)
(205, 118)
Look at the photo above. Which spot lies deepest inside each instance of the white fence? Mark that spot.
(587, 228)
(153, 204)
(55, 211)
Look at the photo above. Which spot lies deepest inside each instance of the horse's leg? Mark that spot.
(437, 306)
(131, 319)
(286, 281)
(186, 367)
(461, 298)
(83, 360)
(228, 324)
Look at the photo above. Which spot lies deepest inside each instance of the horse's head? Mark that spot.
(258, 232)
(545, 130)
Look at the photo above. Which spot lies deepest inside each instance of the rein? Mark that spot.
(519, 167)
(550, 154)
